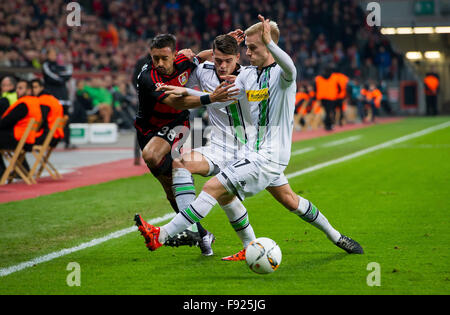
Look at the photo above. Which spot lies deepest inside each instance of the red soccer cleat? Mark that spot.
(236, 257)
(149, 232)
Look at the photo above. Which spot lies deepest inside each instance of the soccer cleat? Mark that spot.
(186, 237)
(349, 245)
(206, 244)
(149, 232)
(236, 257)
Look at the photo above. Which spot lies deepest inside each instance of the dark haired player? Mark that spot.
(162, 119)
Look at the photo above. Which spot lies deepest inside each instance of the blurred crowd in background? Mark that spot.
(114, 34)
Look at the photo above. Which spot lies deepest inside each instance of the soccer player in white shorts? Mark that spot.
(267, 91)
(228, 135)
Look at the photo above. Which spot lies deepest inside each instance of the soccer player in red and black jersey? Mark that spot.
(161, 117)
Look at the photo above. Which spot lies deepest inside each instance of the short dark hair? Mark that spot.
(28, 83)
(37, 81)
(226, 44)
(164, 40)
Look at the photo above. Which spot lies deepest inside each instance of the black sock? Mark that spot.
(201, 230)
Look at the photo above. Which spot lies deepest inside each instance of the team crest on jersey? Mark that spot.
(257, 95)
(183, 78)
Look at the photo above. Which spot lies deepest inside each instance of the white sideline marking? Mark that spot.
(301, 151)
(325, 145)
(341, 141)
(117, 234)
(370, 149)
(67, 251)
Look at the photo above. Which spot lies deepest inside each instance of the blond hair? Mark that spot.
(274, 30)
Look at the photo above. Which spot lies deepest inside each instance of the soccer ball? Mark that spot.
(263, 255)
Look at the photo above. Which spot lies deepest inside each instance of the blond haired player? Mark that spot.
(267, 91)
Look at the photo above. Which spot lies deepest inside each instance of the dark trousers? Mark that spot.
(329, 107)
(7, 141)
(431, 101)
(339, 106)
(66, 128)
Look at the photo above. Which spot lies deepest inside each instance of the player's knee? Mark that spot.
(215, 188)
(178, 163)
(151, 157)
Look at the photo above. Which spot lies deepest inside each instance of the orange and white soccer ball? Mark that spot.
(263, 255)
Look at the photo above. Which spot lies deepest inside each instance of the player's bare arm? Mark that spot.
(180, 98)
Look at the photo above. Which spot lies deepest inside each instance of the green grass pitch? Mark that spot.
(394, 201)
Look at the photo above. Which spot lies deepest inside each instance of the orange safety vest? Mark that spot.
(432, 83)
(376, 96)
(34, 111)
(300, 97)
(56, 111)
(364, 93)
(342, 80)
(326, 89)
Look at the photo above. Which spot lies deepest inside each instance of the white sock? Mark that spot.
(309, 213)
(238, 216)
(183, 187)
(196, 211)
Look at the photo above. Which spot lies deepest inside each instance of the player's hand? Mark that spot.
(188, 53)
(238, 35)
(266, 37)
(172, 90)
(224, 93)
(228, 78)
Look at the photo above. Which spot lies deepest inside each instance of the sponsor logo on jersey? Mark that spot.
(257, 95)
(183, 78)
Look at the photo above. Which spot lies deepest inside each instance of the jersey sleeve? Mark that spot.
(147, 88)
(19, 112)
(288, 70)
(194, 78)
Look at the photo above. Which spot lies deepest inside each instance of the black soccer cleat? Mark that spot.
(185, 238)
(349, 245)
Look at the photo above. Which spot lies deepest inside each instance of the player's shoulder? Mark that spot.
(207, 66)
(183, 63)
(245, 71)
(148, 77)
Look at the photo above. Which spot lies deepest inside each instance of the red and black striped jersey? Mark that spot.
(152, 113)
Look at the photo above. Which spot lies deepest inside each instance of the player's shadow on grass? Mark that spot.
(321, 261)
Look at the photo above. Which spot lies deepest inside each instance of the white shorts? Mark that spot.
(218, 155)
(250, 175)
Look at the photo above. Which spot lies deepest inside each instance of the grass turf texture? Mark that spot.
(393, 201)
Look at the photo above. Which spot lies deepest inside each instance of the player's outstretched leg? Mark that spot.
(187, 237)
(309, 213)
(196, 211)
(184, 191)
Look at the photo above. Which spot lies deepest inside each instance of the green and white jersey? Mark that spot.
(267, 102)
(267, 98)
(228, 125)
